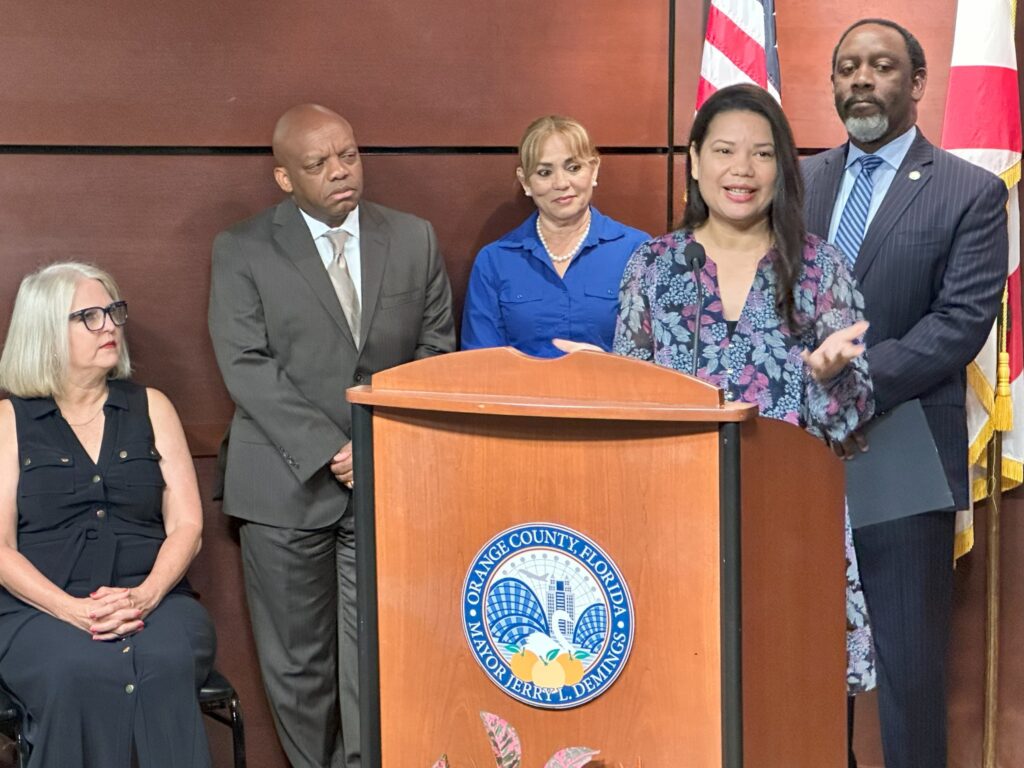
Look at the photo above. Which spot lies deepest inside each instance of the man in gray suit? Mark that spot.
(310, 297)
(926, 233)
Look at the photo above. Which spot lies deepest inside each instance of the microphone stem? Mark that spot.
(696, 321)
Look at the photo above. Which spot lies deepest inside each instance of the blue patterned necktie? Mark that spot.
(854, 219)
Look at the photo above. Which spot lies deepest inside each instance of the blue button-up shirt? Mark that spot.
(516, 298)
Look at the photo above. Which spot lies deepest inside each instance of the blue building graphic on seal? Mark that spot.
(547, 615)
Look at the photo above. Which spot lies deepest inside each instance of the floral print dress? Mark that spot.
(760, 361)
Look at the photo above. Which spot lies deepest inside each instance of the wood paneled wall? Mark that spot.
(132, 133)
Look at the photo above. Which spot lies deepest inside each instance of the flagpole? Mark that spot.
(992, 568)
(994, 481)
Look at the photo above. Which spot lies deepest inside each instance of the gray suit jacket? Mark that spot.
(932, 268)
(287, 355)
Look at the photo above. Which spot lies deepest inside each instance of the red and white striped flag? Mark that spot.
(982, 125)
(740, 47)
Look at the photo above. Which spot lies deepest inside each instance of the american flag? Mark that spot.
(740, 47)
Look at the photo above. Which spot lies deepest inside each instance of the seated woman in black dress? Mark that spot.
(102, 642)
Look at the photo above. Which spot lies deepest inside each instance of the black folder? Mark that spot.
(900, 474)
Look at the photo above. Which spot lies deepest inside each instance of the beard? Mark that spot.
(867, 129)
(864, 129)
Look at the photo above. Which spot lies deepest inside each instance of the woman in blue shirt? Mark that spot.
(557, 274)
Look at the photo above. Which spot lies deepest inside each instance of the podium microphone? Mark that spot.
(695, 258)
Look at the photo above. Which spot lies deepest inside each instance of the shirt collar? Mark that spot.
(892, 153)
(318, 229)
(602, 228)
(117, 398)
(37, 407)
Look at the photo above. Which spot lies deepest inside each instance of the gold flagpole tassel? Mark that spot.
(1003, 411)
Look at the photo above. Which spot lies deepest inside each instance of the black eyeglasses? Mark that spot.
(94, 317)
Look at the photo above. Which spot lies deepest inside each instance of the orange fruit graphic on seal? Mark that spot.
(548, 674)
(573, 668)
(522, 665)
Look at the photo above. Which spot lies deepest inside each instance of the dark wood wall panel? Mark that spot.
(114, 72)
(808, 31)
(689, 42)
(678, 188)
(151, 220)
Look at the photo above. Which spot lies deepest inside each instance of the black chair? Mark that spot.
(10, 726)
(217, 699)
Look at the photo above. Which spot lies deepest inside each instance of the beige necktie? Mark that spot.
(344, 286)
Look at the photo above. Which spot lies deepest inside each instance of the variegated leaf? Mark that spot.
(508, 753)
(571, 757)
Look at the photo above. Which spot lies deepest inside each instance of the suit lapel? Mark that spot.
(898, 197)
(823, 189)
(373, 257)
(292, 236)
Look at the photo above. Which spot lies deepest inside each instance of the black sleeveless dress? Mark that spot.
(85, 525)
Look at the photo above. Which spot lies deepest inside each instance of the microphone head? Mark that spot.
(695, 255)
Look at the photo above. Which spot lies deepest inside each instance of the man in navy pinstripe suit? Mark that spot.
(932, 265)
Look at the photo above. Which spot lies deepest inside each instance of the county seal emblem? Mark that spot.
(547, 615)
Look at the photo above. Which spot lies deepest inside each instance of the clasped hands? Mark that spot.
(111, 613)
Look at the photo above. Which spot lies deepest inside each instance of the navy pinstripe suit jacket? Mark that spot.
(932, 268)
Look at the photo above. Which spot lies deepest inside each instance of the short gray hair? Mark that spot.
(34, 361)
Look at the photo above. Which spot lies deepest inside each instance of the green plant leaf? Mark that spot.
(508, 753)
(571, 757)
(512, 648)
(581, 655)
(552, 654)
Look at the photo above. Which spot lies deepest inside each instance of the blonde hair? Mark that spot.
(34, 361)
(575, 135)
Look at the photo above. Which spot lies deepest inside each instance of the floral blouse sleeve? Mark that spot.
(837, 407)
(634, 335)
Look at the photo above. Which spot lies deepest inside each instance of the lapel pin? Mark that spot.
(914, 175)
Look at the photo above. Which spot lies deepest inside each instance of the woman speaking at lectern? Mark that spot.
(780, 317)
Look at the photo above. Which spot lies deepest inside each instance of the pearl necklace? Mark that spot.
(571, 253)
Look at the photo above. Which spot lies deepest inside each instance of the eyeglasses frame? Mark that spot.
(107, 312)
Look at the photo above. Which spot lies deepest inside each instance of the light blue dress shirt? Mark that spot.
(892, 155)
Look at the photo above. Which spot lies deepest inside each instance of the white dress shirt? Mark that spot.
(319, 232)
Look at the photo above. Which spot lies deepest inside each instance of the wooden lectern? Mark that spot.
(727, 529)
